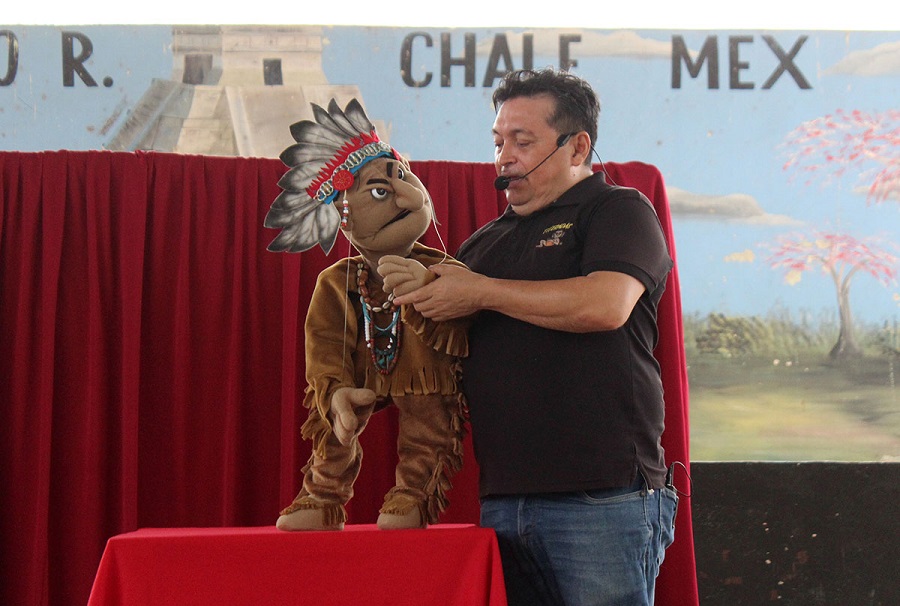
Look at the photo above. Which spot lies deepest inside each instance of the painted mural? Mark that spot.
(781, 153)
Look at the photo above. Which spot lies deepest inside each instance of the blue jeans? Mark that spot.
(601, 547)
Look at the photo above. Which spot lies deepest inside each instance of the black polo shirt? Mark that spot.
(556, 411)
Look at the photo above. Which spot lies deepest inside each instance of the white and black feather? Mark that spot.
(303, 220)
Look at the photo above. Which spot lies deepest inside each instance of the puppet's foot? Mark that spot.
(401, 511)
(305, 519)
(307, 513)
(390, 521)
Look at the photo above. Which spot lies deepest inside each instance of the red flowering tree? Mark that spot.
(827, 148)
(841, 257)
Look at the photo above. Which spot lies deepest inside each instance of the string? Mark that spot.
(434, 222)
(346, 304)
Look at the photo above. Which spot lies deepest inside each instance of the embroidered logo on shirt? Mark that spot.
(556, 234)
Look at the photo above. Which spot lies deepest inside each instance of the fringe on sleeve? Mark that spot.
(450, 337)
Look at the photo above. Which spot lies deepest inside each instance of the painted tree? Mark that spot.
(842, 258)
(829, 147)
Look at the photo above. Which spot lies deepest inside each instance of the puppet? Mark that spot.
(362, 352)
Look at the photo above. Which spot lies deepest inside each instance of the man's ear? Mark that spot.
(581, 148)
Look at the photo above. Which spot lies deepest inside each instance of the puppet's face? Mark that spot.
(389, 208)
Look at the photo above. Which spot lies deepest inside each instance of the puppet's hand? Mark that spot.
(402, 276)
(343, 404)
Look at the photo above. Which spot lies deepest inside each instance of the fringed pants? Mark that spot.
(429, 448)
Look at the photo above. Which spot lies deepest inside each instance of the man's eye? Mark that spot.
(380, 193)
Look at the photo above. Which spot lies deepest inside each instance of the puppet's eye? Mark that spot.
(401, 174)
(379, 193)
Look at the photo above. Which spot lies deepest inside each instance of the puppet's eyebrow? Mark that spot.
(374, 180)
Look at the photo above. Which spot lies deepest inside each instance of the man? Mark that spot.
(564, 392)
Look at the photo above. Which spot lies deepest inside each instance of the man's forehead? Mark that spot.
(523, 116)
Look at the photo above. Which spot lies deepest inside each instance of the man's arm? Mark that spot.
(602, 300)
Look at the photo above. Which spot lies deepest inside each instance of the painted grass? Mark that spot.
(794, 410)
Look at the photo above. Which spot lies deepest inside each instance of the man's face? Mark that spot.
(522, 139)
(389, 208)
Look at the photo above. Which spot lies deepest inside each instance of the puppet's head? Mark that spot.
(343, 176)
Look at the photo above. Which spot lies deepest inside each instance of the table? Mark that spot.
(446, 564)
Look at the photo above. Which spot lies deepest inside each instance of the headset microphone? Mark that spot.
(501, 183)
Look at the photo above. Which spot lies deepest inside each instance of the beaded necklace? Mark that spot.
(384, 358)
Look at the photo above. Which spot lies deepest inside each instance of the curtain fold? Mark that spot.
(677, 578)
(152, 359)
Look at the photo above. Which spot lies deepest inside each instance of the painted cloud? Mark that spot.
(882, 60)
(616, 44)
(741, 208)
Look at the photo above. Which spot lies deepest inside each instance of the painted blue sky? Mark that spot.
(710, 144)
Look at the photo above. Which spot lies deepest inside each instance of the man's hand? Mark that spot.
(403, 276)
(602, 300)
(343, 403)
(455, 295)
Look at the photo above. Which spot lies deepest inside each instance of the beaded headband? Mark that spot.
(340, 173)
(323, 163)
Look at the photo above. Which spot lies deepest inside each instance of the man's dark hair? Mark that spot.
(577, 106)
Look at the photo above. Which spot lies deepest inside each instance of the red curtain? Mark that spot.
(151, 357)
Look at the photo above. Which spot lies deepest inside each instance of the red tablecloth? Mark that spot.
(447, 564)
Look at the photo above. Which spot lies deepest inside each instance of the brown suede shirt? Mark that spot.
(336, 353)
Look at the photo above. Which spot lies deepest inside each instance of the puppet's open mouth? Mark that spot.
(399, 216)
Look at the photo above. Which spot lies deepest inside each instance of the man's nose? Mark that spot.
(503, 157)
(408, 196)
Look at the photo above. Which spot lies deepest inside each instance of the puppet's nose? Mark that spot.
(408, 196)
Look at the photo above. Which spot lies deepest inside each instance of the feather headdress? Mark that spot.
(323, 162)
